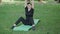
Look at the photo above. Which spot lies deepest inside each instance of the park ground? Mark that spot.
(48, 13)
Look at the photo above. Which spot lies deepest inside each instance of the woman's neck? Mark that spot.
(29, 9)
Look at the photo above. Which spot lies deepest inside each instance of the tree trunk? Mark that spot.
(40, 0)
(56, 0)
(0, 1)
(59, 1)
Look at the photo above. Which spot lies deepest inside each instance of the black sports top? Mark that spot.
(29, 16)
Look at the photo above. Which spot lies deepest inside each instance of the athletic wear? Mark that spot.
(29, 17)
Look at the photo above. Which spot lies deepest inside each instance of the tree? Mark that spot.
(56, 0)
(0, 1)
(59, 1)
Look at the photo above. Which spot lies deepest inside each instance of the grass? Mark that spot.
(48, 13)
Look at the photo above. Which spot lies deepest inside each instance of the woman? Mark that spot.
(55, 0)
(29, 11)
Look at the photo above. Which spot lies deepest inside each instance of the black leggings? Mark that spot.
(21, 19)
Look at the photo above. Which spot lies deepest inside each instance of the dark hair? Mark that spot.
(29, 3)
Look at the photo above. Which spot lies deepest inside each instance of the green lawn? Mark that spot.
(48, 13)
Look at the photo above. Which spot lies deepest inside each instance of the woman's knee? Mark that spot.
(21, 18)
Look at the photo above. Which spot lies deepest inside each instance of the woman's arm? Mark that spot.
(25, 3)
(32, 3)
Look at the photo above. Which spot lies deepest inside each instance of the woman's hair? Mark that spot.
(29, 3)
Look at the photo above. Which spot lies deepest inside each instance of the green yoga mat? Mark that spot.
(25, 27)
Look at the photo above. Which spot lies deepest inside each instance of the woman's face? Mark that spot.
(29, 6)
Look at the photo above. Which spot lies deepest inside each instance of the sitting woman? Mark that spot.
(29, 11)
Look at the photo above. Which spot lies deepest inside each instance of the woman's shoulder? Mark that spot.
(26, 7)
(32, 8)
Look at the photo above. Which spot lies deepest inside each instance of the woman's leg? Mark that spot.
(32, 23)
(21, 19)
